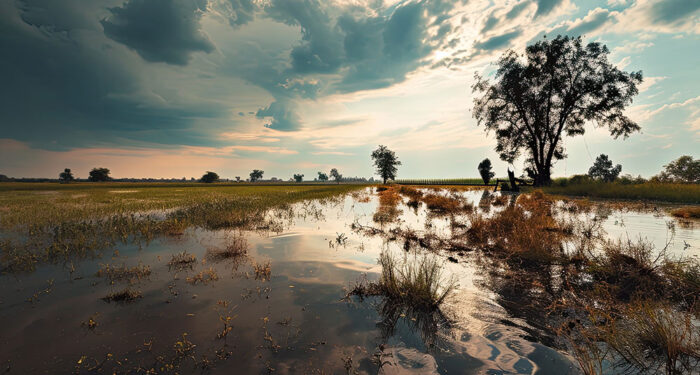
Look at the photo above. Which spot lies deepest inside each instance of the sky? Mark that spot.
(174, 88)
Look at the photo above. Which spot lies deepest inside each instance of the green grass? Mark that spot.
(45, 222)
(665, 192)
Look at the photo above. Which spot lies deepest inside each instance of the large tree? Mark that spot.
(485, 171)
(256, 174)
(210, 177)
(99, 175)
(683, 169)
(554, 90)
(603, 169)
(336, 175)
(386, 162)
(66, 176)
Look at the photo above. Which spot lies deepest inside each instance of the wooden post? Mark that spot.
(513, 183)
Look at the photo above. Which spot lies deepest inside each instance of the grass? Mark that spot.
(123, 296)
(123, 273)
(236, 247)
(182, 261)
(418, 282)
(687, 212)
(203, 277)
(44, 222)
(665, 192)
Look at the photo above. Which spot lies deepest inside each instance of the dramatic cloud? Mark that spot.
(667, 16)
(160, 30)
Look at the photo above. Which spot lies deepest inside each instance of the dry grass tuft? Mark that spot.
(182, 261)
(687, 212)
(236, 247)
(123, 273)
(123, 296)
(263, 271)
(204, 277)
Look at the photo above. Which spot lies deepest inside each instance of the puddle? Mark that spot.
(293, 321)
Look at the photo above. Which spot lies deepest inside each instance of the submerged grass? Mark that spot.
(52, 222)
(123, 273)
(687, 212)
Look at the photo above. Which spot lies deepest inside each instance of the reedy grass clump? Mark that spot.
(236, 247)
(182, 261)
(418, 282)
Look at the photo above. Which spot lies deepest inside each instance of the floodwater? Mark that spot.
(294, 322)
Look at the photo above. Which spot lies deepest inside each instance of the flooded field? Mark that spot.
(305, 292)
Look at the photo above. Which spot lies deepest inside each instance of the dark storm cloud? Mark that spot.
(672, 11)
(282, 116)
(160, 30)
(366, 52)
(498, 41)
(544, 7)
(63, 88)
(243, 11)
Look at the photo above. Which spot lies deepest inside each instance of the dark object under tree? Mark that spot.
(559, 87)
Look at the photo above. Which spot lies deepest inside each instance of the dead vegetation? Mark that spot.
(123, 296)
(263, 271)
(182, 261)
(236, 246)
(203, 277)
(687, 212)
(123, 273)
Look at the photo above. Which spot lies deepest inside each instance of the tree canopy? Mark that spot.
(322, 176)
(256, 174)
(336, 175)
(603, 169)
(386, 162)
(99, 174)
(298, 177)
(485, 171)
(66, 176)
(209, 177)
(557, 88)
(684, 169)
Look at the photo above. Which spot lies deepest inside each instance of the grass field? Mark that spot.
(53, 222)
(663, 192)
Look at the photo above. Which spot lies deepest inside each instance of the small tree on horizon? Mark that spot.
(256, 174)
(485, 171)
(209, 177)
(336, 175)
(322, 176)
(99, 175)
(552, 92)
(386, 162)
(66, 176)
(298, 177)
(603, 169)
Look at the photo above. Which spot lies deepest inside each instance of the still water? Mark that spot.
(296, 321)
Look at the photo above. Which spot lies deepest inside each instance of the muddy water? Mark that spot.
(295, 322)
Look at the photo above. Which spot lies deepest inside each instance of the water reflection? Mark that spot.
(293, 321)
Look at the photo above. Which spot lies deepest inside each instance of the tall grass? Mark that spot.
(667, 192)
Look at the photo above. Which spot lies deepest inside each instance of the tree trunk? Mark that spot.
(544, 176)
